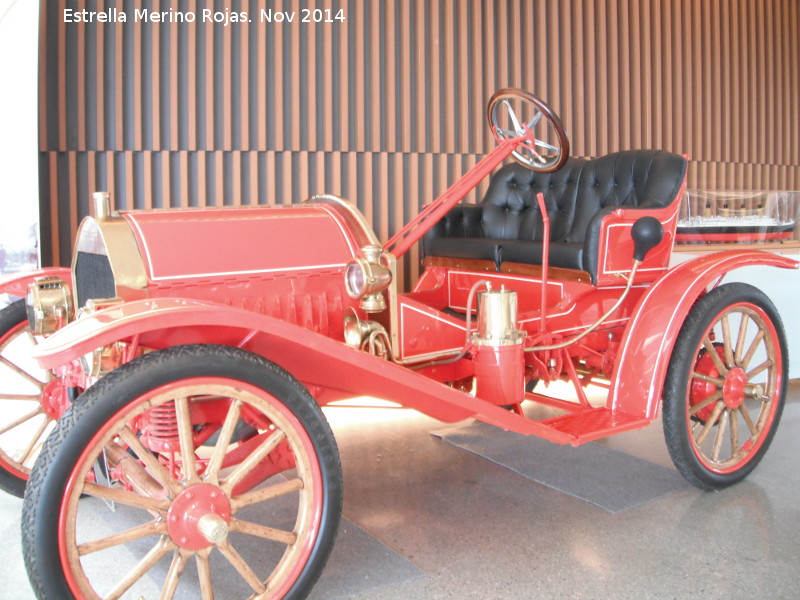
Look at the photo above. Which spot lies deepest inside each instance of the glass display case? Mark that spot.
(739, 217)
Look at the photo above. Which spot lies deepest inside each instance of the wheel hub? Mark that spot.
(734, 388)
(703, 389)
(199, 516)
(55, 398)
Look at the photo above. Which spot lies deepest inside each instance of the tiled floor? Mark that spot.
(441, 522)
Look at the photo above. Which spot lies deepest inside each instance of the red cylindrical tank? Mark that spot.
(500, 374)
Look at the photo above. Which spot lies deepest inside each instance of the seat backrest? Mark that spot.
(631, 179)
(510, 210)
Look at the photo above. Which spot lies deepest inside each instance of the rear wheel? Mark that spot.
(30, 400)
(221, 473)
(725, 386)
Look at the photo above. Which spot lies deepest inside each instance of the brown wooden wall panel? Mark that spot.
(387, 108)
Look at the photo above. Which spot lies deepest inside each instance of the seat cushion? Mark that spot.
(459, 247)
(564, 255)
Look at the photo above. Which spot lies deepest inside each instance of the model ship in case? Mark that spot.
(753, 216)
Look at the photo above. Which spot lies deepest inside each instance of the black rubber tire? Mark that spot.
(11, 317)
(676, 397)
(120, 389)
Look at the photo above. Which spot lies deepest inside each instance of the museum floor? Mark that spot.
(424, 518)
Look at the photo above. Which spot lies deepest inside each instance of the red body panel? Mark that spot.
(286, 262)
(616, 245)
(425, 330)
(241, 242)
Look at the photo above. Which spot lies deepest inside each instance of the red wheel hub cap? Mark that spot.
(187, 510)
(55, 398)
(733, 388)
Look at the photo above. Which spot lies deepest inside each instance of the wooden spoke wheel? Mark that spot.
(513, 113)
(725, 386)
(31, 399)
(195, 472)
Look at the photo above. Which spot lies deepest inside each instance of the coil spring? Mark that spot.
(161, 431)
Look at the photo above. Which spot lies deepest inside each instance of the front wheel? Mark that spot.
(725, 386)
(31, 399)
(196, 471)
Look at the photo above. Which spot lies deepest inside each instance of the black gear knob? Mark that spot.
(647, 233)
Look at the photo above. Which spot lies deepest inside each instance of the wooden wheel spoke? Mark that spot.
(709, 423)
(712, 353)
(186, 438)
(267, 493)
(749, 421)
(125, 497)
(28, 397)
(262, 531)
(23, 419)
(22, 372)
(23, 456)
(155, 468)
(742, 335)
(162, 547)
(719, 438)
(204, 574)
(727, 344)
(241, 567)
(717, 381)
(123, 537)
(734, 435)
(752, 349)
(223, 441)
(756, 370)
(248, 464)
(705, 402)
(179, 561)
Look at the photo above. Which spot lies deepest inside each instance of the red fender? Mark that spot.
(16, 284)
(646, 346)
(316, 360)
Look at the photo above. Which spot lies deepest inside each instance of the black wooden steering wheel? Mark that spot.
(513, 112)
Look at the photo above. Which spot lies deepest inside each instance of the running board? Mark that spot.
(593, 424)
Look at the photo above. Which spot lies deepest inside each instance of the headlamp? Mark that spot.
(49, 305)
(365, 278)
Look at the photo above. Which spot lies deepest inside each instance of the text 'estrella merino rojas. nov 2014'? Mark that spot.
(224, 17)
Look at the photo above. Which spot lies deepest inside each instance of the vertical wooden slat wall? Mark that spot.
(386, 107)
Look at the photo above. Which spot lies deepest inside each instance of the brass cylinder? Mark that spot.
(497, 317)
(101, 205)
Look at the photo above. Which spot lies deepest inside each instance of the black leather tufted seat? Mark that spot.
(507, 227)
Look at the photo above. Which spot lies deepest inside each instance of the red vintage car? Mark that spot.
(185, 356)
